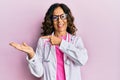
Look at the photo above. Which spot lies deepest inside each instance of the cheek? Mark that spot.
(54, 24)
(65, 23)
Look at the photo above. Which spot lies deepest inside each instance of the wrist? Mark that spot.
(30, 55)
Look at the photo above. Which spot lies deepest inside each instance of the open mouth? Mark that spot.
(60, 25)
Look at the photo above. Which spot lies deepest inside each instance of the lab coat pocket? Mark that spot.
(46, 62)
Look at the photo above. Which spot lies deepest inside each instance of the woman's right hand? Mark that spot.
(24, 47)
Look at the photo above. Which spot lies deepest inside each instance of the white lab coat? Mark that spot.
(43, 64)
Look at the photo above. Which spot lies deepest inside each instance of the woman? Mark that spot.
(59, 53)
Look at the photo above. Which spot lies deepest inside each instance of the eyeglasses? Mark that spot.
(62, 16)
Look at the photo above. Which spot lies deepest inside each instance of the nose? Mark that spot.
(59, 19)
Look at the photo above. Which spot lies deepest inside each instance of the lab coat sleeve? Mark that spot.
(76, 52)
(35, 64)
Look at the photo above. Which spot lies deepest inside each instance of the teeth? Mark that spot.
(60, 25)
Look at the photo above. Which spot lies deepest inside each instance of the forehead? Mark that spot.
(58, 11)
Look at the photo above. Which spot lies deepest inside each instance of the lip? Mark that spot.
(60, 25)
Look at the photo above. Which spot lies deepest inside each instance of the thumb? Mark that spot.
(25, 44)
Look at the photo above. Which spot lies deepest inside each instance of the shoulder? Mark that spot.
(42, 41)
(76, 37)
(78, 41)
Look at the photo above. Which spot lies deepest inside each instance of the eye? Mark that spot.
(55, 17)
(63, 16)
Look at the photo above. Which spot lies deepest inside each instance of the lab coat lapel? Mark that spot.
(68, 39)
(52, 54)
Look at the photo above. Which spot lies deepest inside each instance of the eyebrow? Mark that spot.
(58, 15)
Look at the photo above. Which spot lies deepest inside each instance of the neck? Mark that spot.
(59, 34)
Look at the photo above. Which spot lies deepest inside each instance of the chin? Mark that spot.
(62, 30)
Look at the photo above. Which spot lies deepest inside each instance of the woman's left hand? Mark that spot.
(53, 39)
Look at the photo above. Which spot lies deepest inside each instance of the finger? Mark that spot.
(25, 44)
(51, 42)
(12, 43)
(15, 45)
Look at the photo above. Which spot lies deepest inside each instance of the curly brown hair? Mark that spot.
(48, 22)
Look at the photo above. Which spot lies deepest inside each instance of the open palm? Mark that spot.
(22, 47)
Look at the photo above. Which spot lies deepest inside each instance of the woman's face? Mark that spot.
(59, 20)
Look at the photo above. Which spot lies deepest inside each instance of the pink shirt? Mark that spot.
(60, 63)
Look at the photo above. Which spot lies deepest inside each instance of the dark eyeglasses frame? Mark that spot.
(56, 17)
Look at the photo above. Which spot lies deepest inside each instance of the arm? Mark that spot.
(34, 60)
(76, 52)
(35, 63)
(25, 48)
